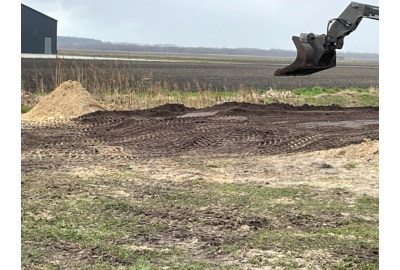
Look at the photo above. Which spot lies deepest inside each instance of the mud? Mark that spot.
(220, 131)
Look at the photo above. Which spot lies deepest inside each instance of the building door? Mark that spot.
(47, 45)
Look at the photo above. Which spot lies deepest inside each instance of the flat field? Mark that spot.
(214, 72)
(232, 186)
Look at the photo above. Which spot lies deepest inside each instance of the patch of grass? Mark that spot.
(340, 100)
(86, 221)
(368, 100)
(139, 265)
(352, 263)
(31, 256)
(358, 90)
(75, 219)
(220, 164)
(25, 109)
(307, 92)
(357, 230)
(350, 236)
(204, 265)
(320, 96)
(367, 205)
(350, 165)
(257, 195)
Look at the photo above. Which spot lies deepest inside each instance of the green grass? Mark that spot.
(317, 96)
(318, 90)
(321, 96)
(350, 165)
(25, 109)
(74, 219)
(204, 96)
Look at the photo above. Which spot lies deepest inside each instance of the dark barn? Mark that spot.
(38, 32)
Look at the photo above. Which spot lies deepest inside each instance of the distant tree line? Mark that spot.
(64, 42)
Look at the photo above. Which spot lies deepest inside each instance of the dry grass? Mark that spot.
(121, 89)
(117, 86)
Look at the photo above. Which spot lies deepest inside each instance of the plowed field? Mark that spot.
(214, 73)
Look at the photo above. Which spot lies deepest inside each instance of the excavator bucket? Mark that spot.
(311, 57)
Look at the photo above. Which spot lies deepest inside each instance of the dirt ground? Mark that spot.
(206, 71)
(173, 130)
(274, 145)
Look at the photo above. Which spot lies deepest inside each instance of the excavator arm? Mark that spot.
(318, 52)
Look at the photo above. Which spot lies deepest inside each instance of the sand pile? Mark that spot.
(366, 150)
(69, 100)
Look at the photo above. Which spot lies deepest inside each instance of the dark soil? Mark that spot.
(229, 75)
(172, 130)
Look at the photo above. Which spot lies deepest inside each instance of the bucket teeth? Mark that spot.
(308, 60)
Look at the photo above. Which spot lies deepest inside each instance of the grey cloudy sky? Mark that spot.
(205, 23)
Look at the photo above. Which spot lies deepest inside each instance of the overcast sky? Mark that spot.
(263, 24)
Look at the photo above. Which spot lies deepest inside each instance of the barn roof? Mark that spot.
(38, 12)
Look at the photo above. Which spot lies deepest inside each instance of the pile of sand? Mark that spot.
(366, 150)
(69, 100)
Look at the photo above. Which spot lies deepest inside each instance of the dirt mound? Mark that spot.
(69, 100)
(368, 149)
(249, 106)
(249, 109)
(28, 99)
(166, 110)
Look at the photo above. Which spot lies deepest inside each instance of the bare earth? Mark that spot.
(212, 72)
(272, 145)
